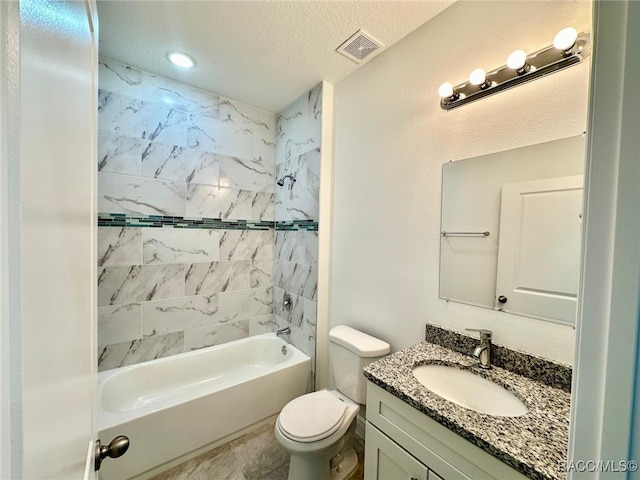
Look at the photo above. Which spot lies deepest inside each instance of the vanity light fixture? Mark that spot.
(181, 59)
(565, 39)
(478, 77)
(446, 91)
(569, 48)
(517, 60)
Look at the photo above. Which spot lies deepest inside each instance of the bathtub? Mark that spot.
(177, 407)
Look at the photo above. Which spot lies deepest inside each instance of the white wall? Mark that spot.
(55, 236)
(391, 140)
(6, 430)
(605, 395)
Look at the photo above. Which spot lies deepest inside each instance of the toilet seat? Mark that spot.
(312, 417)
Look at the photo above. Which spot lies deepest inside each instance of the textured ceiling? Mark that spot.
(264, 53)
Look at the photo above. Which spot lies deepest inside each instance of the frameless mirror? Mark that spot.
(511, 230)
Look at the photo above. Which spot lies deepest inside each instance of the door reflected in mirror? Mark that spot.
(511, 230)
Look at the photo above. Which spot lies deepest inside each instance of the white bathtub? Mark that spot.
(178, 406)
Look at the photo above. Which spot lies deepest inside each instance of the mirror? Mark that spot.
(511, 230)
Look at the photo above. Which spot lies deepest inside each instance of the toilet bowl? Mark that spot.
(317, 428)
(314, 429)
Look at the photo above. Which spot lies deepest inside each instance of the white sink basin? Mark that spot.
(469, 390)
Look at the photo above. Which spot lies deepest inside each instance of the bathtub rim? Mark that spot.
(108, 419)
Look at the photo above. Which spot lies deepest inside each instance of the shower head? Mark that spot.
(290, 177)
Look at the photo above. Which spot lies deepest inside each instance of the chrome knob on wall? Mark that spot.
(287, 302)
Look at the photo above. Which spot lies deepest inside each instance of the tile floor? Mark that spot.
(255, 456)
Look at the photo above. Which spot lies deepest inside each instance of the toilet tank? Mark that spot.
(350, 351)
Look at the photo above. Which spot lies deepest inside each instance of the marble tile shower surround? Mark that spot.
(296, 251)
(169, 150)
(203, 169)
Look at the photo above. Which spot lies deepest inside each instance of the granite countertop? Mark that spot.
(533, 444)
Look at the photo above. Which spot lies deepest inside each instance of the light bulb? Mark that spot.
(478, 77)
(181, 59)
(565, 39)
(445, 90)
(517, 60)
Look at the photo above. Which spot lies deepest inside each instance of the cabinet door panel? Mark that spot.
(385, 460)
(430, 443)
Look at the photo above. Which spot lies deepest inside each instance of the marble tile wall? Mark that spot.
(168, 149)
(296, 247)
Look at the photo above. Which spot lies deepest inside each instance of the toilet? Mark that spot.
(317, 428)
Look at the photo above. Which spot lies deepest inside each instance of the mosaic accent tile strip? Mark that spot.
(164, 221)
(540, 369)
(290, 225)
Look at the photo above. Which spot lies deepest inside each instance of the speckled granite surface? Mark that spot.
(532, 444)
(540, 369)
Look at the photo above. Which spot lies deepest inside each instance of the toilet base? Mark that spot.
(337, 462)
(347, 467)
(321, 468)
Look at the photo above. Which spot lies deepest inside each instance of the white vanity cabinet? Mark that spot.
(402, 443)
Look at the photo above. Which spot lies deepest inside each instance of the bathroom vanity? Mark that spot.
(401, 442)
(412, 433)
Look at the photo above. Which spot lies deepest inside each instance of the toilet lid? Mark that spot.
(312, 417)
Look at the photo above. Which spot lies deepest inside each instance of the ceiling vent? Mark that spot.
(360, 46)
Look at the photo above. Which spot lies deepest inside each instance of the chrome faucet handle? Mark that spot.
(484, 333)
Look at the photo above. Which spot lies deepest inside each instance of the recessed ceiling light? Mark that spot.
(181, 59)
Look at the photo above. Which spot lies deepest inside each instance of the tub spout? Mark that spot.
(284, 331)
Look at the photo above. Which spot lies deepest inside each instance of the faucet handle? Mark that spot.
(484, 333)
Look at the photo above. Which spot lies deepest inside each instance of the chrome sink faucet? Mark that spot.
(483, 351)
